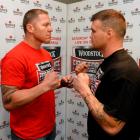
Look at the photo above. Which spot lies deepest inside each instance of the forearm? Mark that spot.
(108, 123)
(21, 97)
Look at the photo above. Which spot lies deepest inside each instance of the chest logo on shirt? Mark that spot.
(42, 69)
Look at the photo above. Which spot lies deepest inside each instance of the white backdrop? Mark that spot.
(70, 23)
(78, 42)
(11, 32)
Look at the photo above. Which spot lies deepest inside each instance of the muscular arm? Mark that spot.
(13, 97)
(109, 124)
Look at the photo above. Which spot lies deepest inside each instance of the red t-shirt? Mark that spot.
(25, 67)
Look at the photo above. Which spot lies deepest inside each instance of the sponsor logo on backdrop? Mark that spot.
(9, 24)
(58, 113)
(76, 10)
(76, 30)
(85, 115)
(85, 135)
(87, 29)
(99, 5)
(81, 19)
(48, 6)
(70, 101)
(58, 9)
(62, 138)
(62, 20)
(61, 103)
(70, 138)
(55, 53)
(37, 4)
(75, 112)
(70, 120)
(128, 39)
(112, 2)
(135, 12)
(54, 19)
(81, 40)
(10, 39)
(58, 30)
(71, 20)
(24, 1)
(79, 123)
(75, 131)
(17, 12)
(80, 104)
(129, 25)
(87, 7)
(127, 1)
(4, 124)
(3, 9)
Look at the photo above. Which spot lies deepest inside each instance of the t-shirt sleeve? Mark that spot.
(122, 105)
(12, 72)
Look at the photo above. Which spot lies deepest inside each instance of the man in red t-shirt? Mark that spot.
(28, 81)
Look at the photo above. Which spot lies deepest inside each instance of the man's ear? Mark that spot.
(110, 32)
(30, 28)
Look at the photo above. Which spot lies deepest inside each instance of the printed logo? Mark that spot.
(70, 101)
(4, 124)
(128, 39)
(61, 103)
(81, 19)
(54, 19)
(99, 5)
(70, 138)
(58, 113)
(79, 123)
(62, 20)
(58, 132)
(87, 7)
(80, 104)
(61, 121)
(135, 12)
(122, 12)
(112, 2)
(10, 24)
(48, 6)
(76, 10)
(3, 9)
(58, 30)
(37, 4)
(75, 131)
(10, 39)
(18, 12)
(43, 68)
(58, 9)
(85, 135)
(87, 29)
(71, 20)
(85, 115)
(70, 120)
(75, 112)
(76, 30)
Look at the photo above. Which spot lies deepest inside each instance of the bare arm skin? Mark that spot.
(109, 124)
(13, 97)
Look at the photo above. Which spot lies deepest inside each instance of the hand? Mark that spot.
(81, 68)
(66, 81)
(81, 84)
(51, 81)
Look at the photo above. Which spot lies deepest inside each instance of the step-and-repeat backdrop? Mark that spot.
(11, 32)
(69, 46)
(78, 50)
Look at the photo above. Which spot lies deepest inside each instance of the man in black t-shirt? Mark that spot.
(114, 106)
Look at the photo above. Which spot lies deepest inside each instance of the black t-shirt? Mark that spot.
(119, 91)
